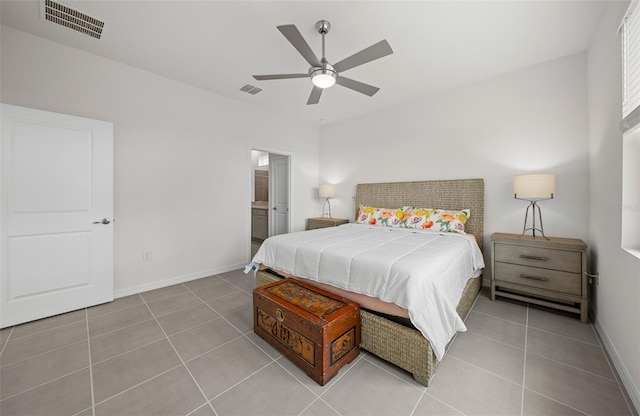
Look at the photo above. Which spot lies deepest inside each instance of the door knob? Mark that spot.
(104, 221)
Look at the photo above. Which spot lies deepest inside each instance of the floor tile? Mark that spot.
(187, 318)
(43, 368)
(255, 246)
(118, 342)
(497, 329)
(200, 339)
(86, 412)
(574, 387)
(231, 303)
(48, 323)
(497, 358)
(122, 372)
(270, 391)
(562, 325)
(204, 282)
(204, 410)
(173, 303)
(233, 362)
(137, 363)
(216, 290)
(118, 320)
(235, 275)
(4, 335)
(115, 306)
(163, 292)
(474, 391)
(307, 381)
(367, 389)
(171, 393)
(430, 406)
(28, 346)
(65, 396)
(537, 405)
(242, 319)
(579, 354)
(506, 309)
(246, 282)
(319, 408)
(263, 345)
(400, 373)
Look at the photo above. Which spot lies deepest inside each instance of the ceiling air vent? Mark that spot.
(73, 19)
(250, 89)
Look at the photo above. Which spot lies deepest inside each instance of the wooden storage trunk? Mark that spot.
(317, 330)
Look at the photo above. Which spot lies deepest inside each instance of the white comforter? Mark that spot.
(422, 271)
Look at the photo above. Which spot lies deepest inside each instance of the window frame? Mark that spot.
(630, 127)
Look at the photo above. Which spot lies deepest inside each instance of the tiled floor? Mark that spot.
(189, 349)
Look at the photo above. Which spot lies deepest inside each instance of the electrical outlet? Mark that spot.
(146, 256)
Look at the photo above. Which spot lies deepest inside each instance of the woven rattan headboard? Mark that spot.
(455, 194)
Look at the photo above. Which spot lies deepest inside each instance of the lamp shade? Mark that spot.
(535, 186)
(327, 190)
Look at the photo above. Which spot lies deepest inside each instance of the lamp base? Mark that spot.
(533, 205)
(326, 214)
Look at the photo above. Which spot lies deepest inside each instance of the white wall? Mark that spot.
(181, 155)
(532, 120)
(616, 299)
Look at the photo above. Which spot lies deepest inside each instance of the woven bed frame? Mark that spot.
(391, 341)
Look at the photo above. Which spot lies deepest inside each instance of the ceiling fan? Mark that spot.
(322, 74)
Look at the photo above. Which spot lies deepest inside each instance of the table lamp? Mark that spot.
(534, 188)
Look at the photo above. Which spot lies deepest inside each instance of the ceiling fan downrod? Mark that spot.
(323, 26)
(325, 76)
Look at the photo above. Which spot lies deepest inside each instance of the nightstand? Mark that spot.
(545, 272)
(323, 222)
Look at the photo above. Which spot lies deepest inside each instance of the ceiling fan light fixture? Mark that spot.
(323, 77)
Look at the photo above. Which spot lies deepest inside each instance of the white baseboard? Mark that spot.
(175, 280)
(632, 389)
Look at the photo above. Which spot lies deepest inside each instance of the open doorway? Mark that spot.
(270, 196)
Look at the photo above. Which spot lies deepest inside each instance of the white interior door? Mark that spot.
(56, 207)
(279, 190)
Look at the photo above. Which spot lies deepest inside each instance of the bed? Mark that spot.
(382, 334)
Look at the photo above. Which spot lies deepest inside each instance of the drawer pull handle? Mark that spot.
(525, 256)
(526, 276)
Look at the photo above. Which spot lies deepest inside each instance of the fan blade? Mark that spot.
(358, 86)
(294, 36)
(280, 76)
(314, 97)
(369, 54)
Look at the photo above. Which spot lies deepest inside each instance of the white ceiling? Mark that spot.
(219, 45)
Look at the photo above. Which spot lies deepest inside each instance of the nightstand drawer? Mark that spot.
(558, 281)
(568, 261)
(315, 223)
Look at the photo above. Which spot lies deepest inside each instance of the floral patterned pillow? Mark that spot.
(380, 216)
(436, 219)
(417, 218)
(452, 221)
